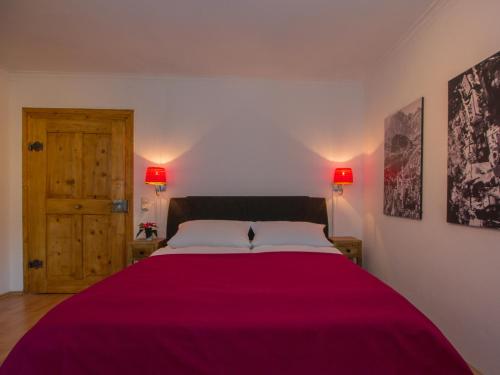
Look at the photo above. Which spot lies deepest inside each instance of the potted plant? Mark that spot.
(150, 230)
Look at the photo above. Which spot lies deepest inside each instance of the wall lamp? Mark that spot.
(341, 177)
(156, 176)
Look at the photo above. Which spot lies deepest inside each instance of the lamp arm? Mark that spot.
(337, 188)
(332, 215)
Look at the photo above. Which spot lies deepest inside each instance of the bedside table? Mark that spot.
(351, 247)
(140, 249)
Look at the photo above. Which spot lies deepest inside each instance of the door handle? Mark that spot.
(78, 206)
(119, 205)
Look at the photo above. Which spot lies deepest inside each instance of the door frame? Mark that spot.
(121, 114)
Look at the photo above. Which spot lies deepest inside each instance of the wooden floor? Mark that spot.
(19, 312)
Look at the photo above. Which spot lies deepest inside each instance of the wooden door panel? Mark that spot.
(97, 166)
(84, 164)
(96, 245)
(34, 212)
(70, 125)
(78, 206)
(64, 165)
(119, 149)
(64, 247)
(118, 241)
(118, 152)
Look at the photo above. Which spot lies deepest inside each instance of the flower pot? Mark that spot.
(149, 233)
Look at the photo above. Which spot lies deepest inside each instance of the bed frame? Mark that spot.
(290, 208)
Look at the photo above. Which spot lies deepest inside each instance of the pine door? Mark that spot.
(77, 170)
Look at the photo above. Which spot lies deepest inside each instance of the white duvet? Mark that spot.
(293, 248)
(243, 250)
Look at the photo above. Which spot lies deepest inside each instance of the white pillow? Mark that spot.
(289, 233)
(230, 233)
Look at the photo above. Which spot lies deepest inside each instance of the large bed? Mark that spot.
(271, 312)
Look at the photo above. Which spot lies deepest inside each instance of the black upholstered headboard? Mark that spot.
(288, 208)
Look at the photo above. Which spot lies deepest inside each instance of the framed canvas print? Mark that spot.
(474, 146)
(403, 140)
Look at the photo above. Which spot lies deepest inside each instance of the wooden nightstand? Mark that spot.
(140, 249)
(351, 247)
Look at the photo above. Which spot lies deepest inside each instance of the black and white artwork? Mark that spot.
(474, 146)
(403, 162)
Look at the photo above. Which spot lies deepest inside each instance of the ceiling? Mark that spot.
(276, 39)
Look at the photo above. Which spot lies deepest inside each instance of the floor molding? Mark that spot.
(7, 294)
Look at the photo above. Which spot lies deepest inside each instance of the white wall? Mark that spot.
(450, 272)
(4, 187)
(215, 136)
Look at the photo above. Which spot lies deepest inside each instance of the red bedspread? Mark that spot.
(236, 314)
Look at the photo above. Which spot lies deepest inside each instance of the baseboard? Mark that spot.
(8, 294)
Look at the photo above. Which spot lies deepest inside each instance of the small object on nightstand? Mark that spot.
(351, 247)
(140, 249)
(150, 230)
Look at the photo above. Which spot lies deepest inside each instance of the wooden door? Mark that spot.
(77, 171)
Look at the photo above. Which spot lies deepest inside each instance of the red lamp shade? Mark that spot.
(156, 176)
(343, 176)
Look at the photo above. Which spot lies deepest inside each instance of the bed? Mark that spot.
(270, 312)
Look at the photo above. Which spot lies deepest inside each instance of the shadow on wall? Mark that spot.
(260, 160)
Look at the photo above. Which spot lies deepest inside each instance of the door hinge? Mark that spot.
(35, 263)
(35, 146)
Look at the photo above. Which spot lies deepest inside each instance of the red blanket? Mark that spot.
(236, 314)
